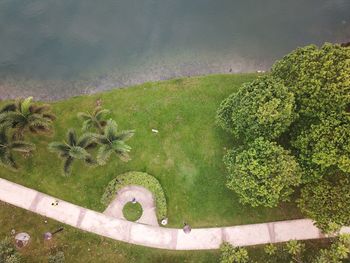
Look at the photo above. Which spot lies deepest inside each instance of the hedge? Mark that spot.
(141, 179)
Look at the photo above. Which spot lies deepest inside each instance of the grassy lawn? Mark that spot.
(185, 156)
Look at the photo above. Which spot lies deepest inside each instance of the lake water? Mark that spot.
(58, 48)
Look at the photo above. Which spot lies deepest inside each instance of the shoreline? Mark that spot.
(11, 88)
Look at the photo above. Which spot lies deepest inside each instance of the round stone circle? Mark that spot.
(132, 211)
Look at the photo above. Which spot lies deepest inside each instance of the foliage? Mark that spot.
(57, 258)
(231, 254)
(318, 77)
(325, 145)
(262, 108)
(327, 203)
(8, 147)
(132, 212)
(270, 249)
(338, 251)
(112, 141)
(141, 179)
(74, 148)
(8, 252)
(263, 174)
(95, 120)
(25, 116)
(296, 250)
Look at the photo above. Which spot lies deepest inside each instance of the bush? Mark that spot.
(262, 108)
(264, 174)
(8, 252)
(231, 254)
(318, 77)
(327, 203)
(140, 179)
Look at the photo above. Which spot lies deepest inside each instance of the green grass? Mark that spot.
(185, 156)
(132, 212)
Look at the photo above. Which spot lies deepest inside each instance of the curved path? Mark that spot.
(155, 236)
(142, 196)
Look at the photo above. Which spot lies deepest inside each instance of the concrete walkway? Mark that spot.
(154, 236)
(142, 196)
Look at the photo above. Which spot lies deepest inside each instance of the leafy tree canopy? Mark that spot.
(325, 145)
(262, 108)
(263, 174)
(327, 203)
(318, 77)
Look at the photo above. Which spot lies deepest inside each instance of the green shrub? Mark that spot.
(262, 108)
(141, 179)
(264, 174)
(8, 252)
(327, 203)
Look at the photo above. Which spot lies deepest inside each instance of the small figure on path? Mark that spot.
(133, 200)
(186, 228)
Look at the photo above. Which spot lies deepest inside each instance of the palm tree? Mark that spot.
(96, 119)
(23, 116)
(74, 148)
(8, 147)
(112, 141)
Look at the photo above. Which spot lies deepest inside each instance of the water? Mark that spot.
(53, 49)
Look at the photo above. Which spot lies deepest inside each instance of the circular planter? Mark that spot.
(132, 211)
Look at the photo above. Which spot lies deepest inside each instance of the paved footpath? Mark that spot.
(155, 236)
(142, 196)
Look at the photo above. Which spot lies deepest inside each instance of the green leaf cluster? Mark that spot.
(262, 174)
(262, 108)
(318, 77)
(327, 203)
(8, 252)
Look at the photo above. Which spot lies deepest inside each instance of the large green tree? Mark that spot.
(264, 174)
(113, 141)
(262, 108)
(325, 146)
(327, 202)
(25, 116)
(318, 77)
(74, 148)
(8, 147)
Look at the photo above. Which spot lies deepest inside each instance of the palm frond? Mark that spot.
(125, 135)
(8, 107)
(71, 137)
(7, 160)
(103, 154)
(59, 147)
(101, 114)
(25, 105)
(21, 146)
(86, 140)
(77, 152)
(67, 165)
(111, 129)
